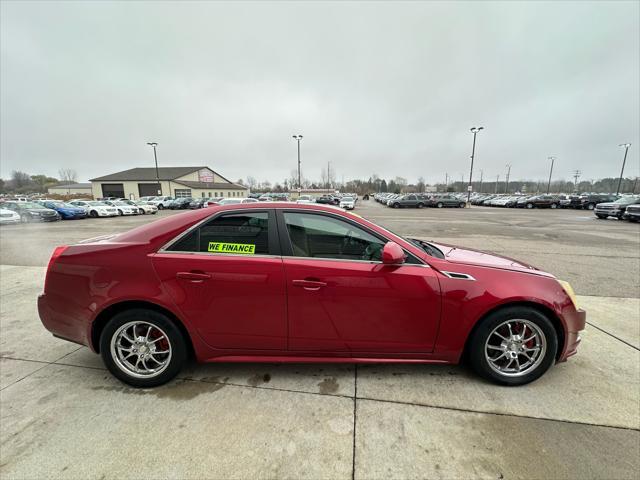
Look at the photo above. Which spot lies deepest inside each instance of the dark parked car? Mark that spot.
(198, 203)
(632, 213)
(440, 201)
(32, 212)
(181, 203)
(66, 210)
(543, 201)
(328, 200)
(410, 200)
(615, 209)
(590, 201)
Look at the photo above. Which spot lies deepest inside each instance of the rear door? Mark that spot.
(226, 276)
(341, 298)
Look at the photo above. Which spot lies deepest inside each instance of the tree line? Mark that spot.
(21, 182)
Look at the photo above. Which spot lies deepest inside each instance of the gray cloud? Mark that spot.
(386, 88)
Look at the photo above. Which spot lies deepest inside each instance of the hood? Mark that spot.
(476, 257)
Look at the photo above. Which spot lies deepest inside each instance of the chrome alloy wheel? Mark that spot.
(141, 349)
(515, 347)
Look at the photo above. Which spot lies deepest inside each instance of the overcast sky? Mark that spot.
(385, 88)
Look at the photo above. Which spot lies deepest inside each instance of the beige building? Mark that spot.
(194, 182)
(71, 189)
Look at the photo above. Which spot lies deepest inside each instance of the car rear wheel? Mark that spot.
(590, 206)
(141, 211)
(160, 206)
(513, 346)
(142, 348)
(120, 212)
(529, 205)
(396, 205)
(439, 205)
(461, 204)
(554, 205)
(421, 205)
(93, 214)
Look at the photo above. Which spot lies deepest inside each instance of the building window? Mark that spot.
(202, 194)
(209, 194)
(182, 192)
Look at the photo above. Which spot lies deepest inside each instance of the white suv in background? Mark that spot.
(96, 209)
(161, 202)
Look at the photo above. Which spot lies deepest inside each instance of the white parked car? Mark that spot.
(96, 209)
(146, 207)
(162, 202)
(348, 203)
(305, 199)
(123, 208)
(8, 217)
(233, 201)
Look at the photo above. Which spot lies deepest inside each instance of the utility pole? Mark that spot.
(475, 131)
(553, 159)
(481, 173)
(155, 156)
(446, 181)
(298, 138)
(497, 180)
(624, 160)
(506, 187)
(576, 175)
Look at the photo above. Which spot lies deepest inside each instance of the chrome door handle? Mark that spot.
(193, 276)
(309, 284)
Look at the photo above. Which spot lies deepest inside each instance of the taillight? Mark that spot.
(54, 256)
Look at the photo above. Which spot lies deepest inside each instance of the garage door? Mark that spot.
(148, 189)
(113, 190)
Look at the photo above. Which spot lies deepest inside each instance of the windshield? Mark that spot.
(626, 200)
(29, 205)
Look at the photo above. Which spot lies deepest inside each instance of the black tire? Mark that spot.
(479, 337)
(601, 217)
(529, 205)
(590, 206)
(461, 204)
(176, 342)
(421, 205)
(141, 211)
(160, 206)
(120, 212)
(396, 205)
(439, 205)
(554, 205)
(93, 214)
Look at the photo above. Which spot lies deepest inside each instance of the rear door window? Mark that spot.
(245, 233)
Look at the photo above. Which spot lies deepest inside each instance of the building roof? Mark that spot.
(71, 185)
(211, 186)
(149, 174)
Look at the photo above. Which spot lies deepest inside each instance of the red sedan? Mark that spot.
(283, 282)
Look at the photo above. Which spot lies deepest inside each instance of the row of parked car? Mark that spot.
(47, 210)
(421, 200)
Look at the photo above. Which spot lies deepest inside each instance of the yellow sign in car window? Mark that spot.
(243, 248)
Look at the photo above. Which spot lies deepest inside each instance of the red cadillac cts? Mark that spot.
(280, 282)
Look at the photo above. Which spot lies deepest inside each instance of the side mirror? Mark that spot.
(392, 254)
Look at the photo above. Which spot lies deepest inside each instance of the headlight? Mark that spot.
(569, 291)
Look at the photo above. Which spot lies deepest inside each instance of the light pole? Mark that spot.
(553, 159)
(475, 131)
(298, 138)
(497, 180)
(155, 157)
(624, 160)
(506, 187)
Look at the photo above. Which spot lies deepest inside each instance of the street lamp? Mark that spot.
(624, 160)
(553, 159)
(298, 138)
(155, 157)
(506, 187)
(475, 131)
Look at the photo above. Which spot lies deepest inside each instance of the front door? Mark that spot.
(342, 298)
(227, 279)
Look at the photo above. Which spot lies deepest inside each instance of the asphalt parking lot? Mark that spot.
(62, 415)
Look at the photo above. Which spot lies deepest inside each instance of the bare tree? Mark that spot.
(68, 175)
(20, 179)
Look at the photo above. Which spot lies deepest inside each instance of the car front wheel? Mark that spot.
(461, 205)
(602, 217)
(513, 346)
(142, 348)
(93, 214)
(529, 205)
(439, 205)
(160, 206)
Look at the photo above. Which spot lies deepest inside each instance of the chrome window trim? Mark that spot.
(458, 276)
(240, 255)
